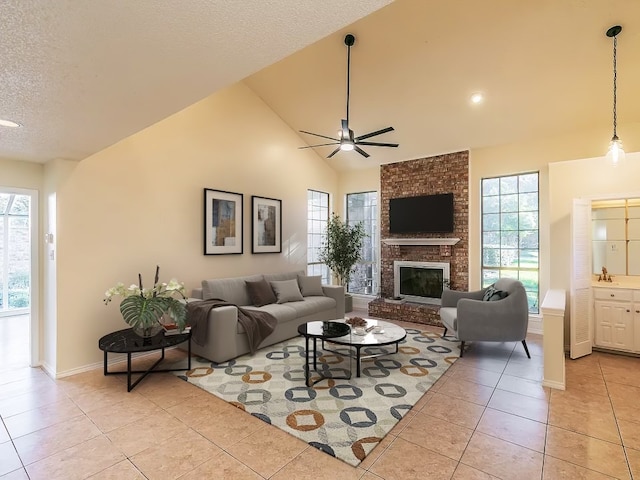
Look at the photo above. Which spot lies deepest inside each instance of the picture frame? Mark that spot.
(222, 222)
(266, 225)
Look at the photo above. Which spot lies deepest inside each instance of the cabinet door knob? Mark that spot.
(613, 295)
(628, 310)
(637, 311)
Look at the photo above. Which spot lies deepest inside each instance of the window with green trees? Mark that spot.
(15, 252)
(317, 218)
(510, 238)
(363, 207)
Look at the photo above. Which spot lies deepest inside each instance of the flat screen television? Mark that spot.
(424, 214)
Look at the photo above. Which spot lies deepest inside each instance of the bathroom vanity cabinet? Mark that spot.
(616, 317)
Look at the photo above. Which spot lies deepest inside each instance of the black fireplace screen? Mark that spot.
(421, 282)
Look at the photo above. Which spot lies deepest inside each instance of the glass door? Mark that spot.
(15, 254)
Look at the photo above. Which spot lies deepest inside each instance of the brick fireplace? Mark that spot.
(425, 176)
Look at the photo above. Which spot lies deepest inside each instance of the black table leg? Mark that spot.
(315, 356)
(189, 352)
(307, 367)
(129, 386)
(105, 363)
(358, 361)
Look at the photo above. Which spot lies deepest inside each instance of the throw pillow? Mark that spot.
(488, 293)
(260, 292)
(310, 285)
(492, 294)
(287, 291)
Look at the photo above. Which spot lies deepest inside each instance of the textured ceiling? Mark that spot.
(82, 75)
(545, 67)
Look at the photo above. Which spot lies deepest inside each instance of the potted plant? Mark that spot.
(341, 250)
(143, 308)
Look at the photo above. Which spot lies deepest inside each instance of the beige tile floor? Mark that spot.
(487, 418)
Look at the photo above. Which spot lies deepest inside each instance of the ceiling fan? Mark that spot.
(346, 141)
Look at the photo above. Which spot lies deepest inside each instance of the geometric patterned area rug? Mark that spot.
(343, 418)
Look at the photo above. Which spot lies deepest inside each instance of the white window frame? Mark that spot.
(318, 210)
(504, 249)
(370, 247)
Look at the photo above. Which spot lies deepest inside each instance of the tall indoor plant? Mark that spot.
(342, 248)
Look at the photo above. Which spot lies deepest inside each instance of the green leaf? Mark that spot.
(143, 312)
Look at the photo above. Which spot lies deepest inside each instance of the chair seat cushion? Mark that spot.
(449, 317)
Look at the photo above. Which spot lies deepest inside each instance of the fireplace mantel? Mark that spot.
(420, 241)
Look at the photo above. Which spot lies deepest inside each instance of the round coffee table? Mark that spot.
(323, 331)
(390, 334)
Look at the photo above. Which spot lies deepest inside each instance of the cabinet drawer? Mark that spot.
(613, 294)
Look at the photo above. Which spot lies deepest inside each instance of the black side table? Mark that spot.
(126, 341)
(323, 331)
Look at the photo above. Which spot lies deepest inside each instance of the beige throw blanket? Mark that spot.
(258, 325)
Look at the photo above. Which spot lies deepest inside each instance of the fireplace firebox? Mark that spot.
(420, 282)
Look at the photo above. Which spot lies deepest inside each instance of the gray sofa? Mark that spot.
(498, 318)
(226, 338)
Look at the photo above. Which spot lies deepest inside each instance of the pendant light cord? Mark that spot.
(615, 82)
(348, 78)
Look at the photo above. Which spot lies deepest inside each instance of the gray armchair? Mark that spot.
(469, 317)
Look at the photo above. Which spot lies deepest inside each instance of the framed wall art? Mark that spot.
(266, 225)
(222, 222)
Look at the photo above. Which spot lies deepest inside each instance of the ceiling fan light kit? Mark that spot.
(346, 140)
(615, 154)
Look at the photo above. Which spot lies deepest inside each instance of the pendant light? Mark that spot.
(615, 154)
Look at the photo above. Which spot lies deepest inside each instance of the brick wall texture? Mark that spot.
(424, 176)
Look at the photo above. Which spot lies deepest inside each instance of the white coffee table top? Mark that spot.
(390, 333)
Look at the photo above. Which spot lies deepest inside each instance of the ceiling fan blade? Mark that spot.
(333, 153)
(361, 152)
(373, 134)
(378, 144)
(318, 135)
(319, 145)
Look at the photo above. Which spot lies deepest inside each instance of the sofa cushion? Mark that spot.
(232, 290)
(310, 285)
(312, 305)
(283, 313)
(287, 291)
(260, 292)
(277, 277)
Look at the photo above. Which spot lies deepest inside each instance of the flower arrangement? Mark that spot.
(143, 308)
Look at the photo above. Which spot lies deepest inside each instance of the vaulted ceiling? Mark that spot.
(544, 66)
(81, 76)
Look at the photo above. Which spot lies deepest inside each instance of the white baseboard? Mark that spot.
(552, 384)
(535, 324)
(114, 358)
(46, 368)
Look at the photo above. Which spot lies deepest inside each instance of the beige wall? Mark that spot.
(355, 181)
(17, 174)
(538, 155)
(139, 204)
(526, 156)
(592, 178)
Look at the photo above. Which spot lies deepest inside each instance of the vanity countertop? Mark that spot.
(634, 284)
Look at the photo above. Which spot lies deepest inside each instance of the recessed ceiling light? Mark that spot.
(477, 98)
(8, 123)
